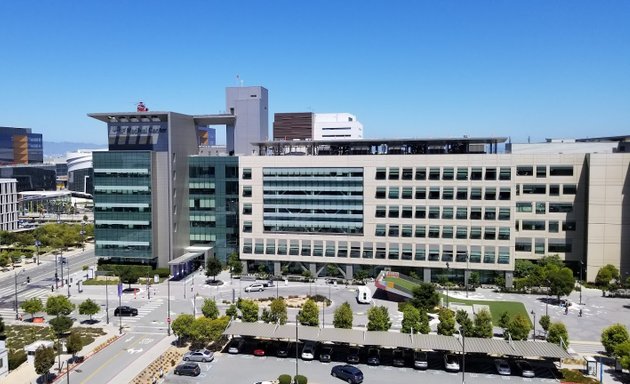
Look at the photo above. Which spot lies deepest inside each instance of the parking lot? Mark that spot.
(247, 368)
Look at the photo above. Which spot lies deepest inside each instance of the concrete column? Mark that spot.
(509, 279)
(312, 267)
(244, 264)
(427, 275)
(349, 273)
(277, 269)
(466, 277)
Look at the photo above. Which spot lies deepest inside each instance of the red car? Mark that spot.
(260, 349)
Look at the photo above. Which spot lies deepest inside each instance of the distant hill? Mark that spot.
(53, 149)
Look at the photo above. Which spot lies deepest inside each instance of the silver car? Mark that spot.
(524, 368)
(503, 368)
(202, 355)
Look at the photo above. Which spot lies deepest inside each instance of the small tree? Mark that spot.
(61, 325)
(213, 268)
(343, 316)
(332, 270)
(89, 307)
(504, 320)
(249, 311)
(545, 322)
(44, 360)
(411, 320)
(606, 276)
(378, 319)
(129, 275)
(557, 332)
(483, 324)
(518, 328)
(205, 330)
(74, 343)
(32, 306)
(465, 324)
(278, 311)
(425, 297)
(474, 279)
(447, 322)
(232, 311)
(561, 281)
(309, 314)
(209, 309)
(234, 262)
(59, 305)
(613, 336)
(182, 326)
(622, 352)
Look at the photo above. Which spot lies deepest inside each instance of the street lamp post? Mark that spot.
(467, 273)
(17, 315)
(56, 274)
(106, 299)
(37, 245)
(534, 314)
(462, 334)
(296, 345)
(581, 280)
(68, 265)
(61, 266)
(447, 274)
(168, 305)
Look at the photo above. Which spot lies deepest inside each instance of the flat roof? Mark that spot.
(205, 119)
(399, 141)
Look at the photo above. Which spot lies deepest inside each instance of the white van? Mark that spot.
(364, 295)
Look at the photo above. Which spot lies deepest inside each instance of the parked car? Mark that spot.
(325, 355)
(188, 369)
(125, 310)
(398, 359)
(256, 287)
(503, 368)
(451, 362)
(203, 355)
(420, 359)
(236, 346)
(374, 356)
(349, 373)
(283, 349)
(268, 283)
(261, 349)
(353, 355)
(308, 351)
(524, 368)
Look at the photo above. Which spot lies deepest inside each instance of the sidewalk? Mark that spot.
(129, 373)
(25, 373)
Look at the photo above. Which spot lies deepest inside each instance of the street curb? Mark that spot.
(93, 352)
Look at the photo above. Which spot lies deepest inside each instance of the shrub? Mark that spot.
(162, 272)
(284, 379)
(16, 358)
(299, 379)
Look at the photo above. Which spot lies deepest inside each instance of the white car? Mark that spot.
(451, 362)
(503, 368)
(308, 352)
(256, 287)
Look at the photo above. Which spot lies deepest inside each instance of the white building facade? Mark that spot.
(8, 205)
(331, 126)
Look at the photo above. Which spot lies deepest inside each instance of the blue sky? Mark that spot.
(404, 68)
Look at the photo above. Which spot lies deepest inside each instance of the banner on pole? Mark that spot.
(120, 289)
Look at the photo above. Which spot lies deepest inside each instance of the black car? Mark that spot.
(188, 369)
(398, 359)
(349, 373)
(353, 355)
(325, 355)
(283, 349)
(125, 311)
(374, 356)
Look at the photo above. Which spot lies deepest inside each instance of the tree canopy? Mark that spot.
(414, 320)
(89, 307)
(182, 326)
(425, 297)
(309, 314)
(343, 316)
(44, 360)
(518, 328)
(278, 311)
(557, 332)
(61, 325)
(58, 305)
(606, 276)
(213, 268)
(209, 308)
(613, 336)
(483, 324)
(32, 306)
(234, 262)
(447, 322)
(74, 343)
(378, 319)
(249, 310)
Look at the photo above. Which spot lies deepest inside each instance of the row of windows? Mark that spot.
(539, 225)
(541, 170)
(543, 207)
(444, 193)
(541, 189)
(553, 245)
(417, 252)
(444, 232)
(446, 173)
(447, 213)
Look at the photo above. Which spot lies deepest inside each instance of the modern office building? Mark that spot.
(32, 177)
(431, 205)
(316, 126)
(20, 146)
(142, 204)
(80, 171)
(8, 205)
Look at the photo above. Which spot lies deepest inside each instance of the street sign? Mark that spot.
(168, 320)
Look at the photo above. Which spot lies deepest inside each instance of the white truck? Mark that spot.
(364, 295)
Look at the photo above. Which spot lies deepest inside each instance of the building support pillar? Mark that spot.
(277, 268)
(312, 267)
(509, 279)
(427, 275)
(349, 272)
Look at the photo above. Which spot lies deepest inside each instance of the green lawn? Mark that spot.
(496, 307)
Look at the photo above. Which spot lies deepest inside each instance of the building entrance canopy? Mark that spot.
(397, 339)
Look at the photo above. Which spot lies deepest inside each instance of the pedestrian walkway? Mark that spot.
(144, 310)
(590, 348)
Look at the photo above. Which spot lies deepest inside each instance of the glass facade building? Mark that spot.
(123, 205)
(213, 203)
